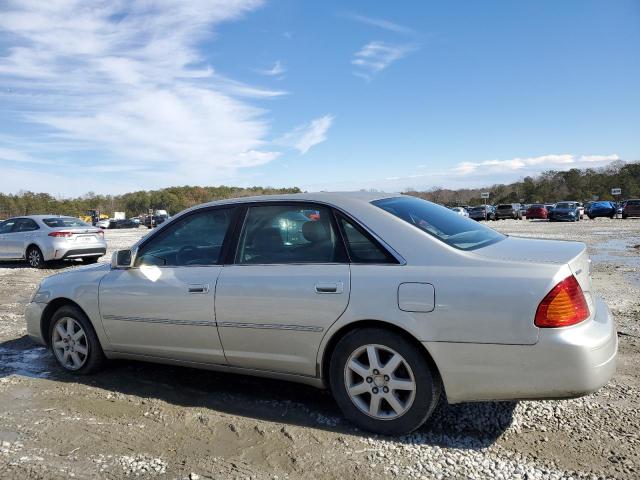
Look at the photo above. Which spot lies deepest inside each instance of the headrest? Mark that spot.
(314, 232)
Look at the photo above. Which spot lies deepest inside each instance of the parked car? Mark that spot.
(549, 206)
(601, 209)
(123, 223)
(482, 212)
(581, 210)
(41, 238)
(564, 211)
(536, 210)
(631, 208)
(351, 304)
(508, 210)
(460, 211)
(523, 210)
(104, 223)
(152, 221)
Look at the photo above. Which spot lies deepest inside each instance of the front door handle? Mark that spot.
(198, 288)
(329, 287)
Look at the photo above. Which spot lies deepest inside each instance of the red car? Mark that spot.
(537, 210)
(631, 209)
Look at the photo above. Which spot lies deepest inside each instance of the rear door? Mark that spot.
(164, 305)
(290, 280)
(17, 240)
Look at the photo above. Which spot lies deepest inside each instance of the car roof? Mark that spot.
(333, 198)
(41, 217)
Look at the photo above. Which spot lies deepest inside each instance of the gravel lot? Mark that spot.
(136, 419)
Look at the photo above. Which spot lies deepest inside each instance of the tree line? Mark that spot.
(173, 199)
(550, 187)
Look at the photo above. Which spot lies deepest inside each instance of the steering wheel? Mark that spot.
(186, 251)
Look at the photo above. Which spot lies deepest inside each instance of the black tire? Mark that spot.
(34, 257)
(90, 260)
(427, 381)
(590, 217)
(95, 356)
(625, 216)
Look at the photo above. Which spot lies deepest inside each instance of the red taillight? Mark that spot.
(61, 234)
(564, 305)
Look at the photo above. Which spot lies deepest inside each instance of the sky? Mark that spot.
(117, 96)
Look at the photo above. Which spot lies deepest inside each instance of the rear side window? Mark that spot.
(280, 234)
(64, 222)
(362, 248)
(7, 226)
(25, 225)
(440, 222)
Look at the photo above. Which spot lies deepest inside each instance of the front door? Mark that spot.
(289, 283)
(164, 305)
(5, 235)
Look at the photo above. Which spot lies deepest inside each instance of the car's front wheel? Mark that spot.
(74, 341)
(382, 382)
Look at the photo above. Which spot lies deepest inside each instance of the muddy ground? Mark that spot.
(136, 419)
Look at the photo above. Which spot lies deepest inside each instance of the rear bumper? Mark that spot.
(84, 252)
(566, 362)
(61, 249)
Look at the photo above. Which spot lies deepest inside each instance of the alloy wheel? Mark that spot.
(35, 258)
(70, 343)
(379, 382)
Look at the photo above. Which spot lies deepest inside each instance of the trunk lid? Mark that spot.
(537, 250)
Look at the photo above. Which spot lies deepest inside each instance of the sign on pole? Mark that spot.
(484, 195)
(616, 191)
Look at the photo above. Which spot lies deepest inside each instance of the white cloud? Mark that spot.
(376, 56)
(276, 71)
(126, 80)
(303, 137)
(381, 23)
(542, 162)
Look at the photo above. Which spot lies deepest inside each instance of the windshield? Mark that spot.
(64, 222)
(440, 222)
(566, 205)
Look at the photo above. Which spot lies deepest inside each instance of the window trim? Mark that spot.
(233, 257)
(235, 210)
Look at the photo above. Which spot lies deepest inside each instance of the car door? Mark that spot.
(17, 240)
(289, 281)
(164, 305)
(5, 233)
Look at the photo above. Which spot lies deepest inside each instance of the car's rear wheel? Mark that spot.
(382, 382)
(74, 341)
(35, 257)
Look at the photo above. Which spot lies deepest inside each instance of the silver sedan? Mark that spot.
(389, 300)
(41, 238)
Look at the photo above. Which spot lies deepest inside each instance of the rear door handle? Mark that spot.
(198, 288)
(329, 287)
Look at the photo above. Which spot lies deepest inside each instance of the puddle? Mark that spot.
(619, 251)
(28, 362)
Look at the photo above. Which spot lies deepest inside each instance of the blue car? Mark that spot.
(564, 212)
(601, 209)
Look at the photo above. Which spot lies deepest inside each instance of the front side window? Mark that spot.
(288, 234)
(67, 222)
(440, 222)
(7, 226)
(193, 240)
(362, 248)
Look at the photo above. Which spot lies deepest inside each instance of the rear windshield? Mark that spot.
(504, 207)
(536, 205)
(64, 222)
(566, 205)
(440, 222)
(633, 202)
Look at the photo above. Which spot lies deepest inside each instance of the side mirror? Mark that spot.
(121, 259)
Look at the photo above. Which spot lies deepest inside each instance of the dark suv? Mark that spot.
(631, 209)
(508, 210)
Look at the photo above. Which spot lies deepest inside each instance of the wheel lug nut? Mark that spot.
(385, 389)
(375, 390)
(375, 372)
(369, 379)
(386, 378)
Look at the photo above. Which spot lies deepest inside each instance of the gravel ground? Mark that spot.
(153, 421)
